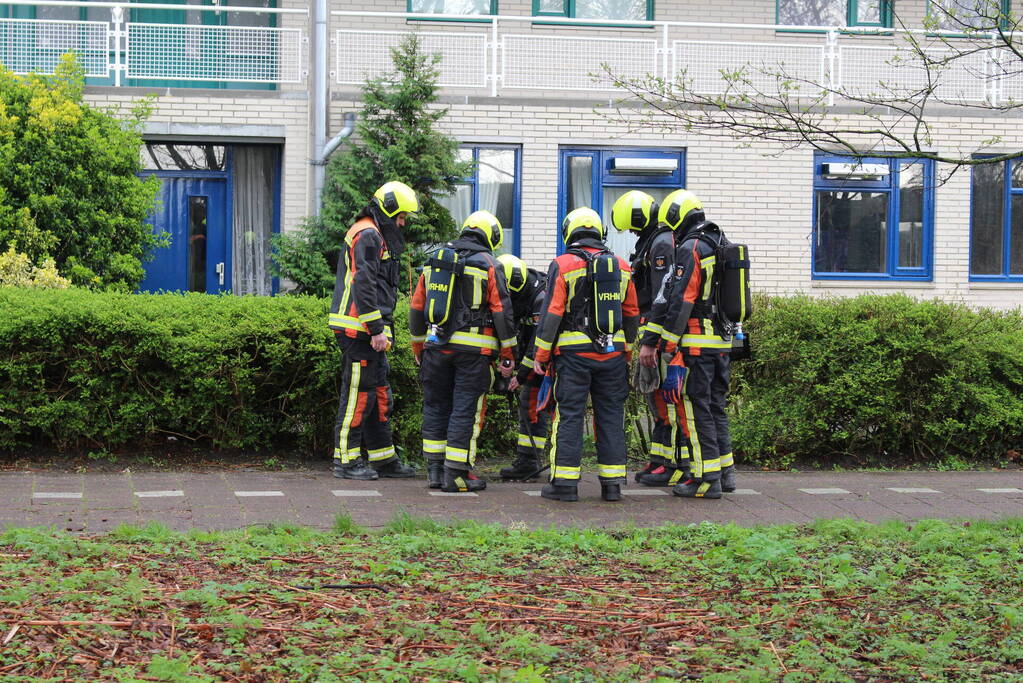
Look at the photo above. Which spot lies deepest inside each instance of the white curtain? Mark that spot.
(623, 243)
(254, 167)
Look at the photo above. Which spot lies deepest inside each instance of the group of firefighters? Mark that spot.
(553, 340)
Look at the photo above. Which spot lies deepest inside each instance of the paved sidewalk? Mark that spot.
(223, 500)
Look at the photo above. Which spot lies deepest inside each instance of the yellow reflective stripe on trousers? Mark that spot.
(532, 441)
(663, 450)
(381, 453)
(434, 446)
(563, 472)
(477, 425)
(712, 465)
(346, 424)
(456, 454)
(346, 458)
(727, 460)
(611, 470)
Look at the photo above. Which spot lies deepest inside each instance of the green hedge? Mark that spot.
(870, 380)
(879, 380)
(87, 370)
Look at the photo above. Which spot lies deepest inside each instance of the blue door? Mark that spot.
(193, 211)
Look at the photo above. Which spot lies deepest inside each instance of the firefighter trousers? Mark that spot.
(455, 387)
(532, 423)
(363, 415)
(705, 398)
(606, 383)
(669, 445)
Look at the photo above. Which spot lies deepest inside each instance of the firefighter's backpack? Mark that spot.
(604, 291)
(732, 302)
(442, 273)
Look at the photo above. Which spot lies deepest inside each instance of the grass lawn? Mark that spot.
(835, 601)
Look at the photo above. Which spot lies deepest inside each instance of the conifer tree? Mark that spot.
(396, 139)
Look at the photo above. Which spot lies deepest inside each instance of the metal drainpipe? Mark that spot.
(320, 164)
(321, 147)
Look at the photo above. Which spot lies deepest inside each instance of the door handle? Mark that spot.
(220, 272)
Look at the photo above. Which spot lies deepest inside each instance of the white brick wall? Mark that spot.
(760, 199)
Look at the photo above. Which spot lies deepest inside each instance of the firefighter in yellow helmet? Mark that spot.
(527, 288)
(461, 320)
(691, 331)
(589, 322)
(361, 316)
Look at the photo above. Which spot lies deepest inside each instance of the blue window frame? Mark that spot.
(996, 222)
(494, 186)
(626, 10)
(873, 218)
(596, 177)
(834, 13)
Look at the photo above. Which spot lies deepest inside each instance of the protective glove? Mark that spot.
(673, 386)
(546, 394)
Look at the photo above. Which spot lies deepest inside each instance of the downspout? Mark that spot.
(322, 148)
(320, 171)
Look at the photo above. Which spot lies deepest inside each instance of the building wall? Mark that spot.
(761, 195)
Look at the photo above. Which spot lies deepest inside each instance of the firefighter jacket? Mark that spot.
(367, 284)
(689, 319)
(482, 315)
(564, 324)
(528, 305)
(652, 268)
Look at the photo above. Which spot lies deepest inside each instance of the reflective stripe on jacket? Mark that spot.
(365, 289)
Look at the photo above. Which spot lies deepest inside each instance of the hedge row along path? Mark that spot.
(96, 503)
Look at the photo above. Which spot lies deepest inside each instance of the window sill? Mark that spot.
(871, 284)
(540, 21)
(1005, 284)
(466, 20)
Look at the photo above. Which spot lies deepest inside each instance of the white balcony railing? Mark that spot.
(126, 52)
(508, 53)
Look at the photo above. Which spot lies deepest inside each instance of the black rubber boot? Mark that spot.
(647, 468)
(566, 494)
(435, 473)
(396, 469)
(356, 469)
(662, 476)
(728, 479)
(698, 488)
(611, 492)
(459, 481)
(523, 468)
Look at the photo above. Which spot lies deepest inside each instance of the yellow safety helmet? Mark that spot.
(516, 272)
(486, 224)
(677, 206)
(583, 218)
(634, 210)
(395, 197)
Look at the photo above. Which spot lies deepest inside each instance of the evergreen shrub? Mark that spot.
(873, 380)
(82, 370)
(878, 380)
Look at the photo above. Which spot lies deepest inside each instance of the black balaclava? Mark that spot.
(393, 235)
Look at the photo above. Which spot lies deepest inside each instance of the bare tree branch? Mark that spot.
(934, 68)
